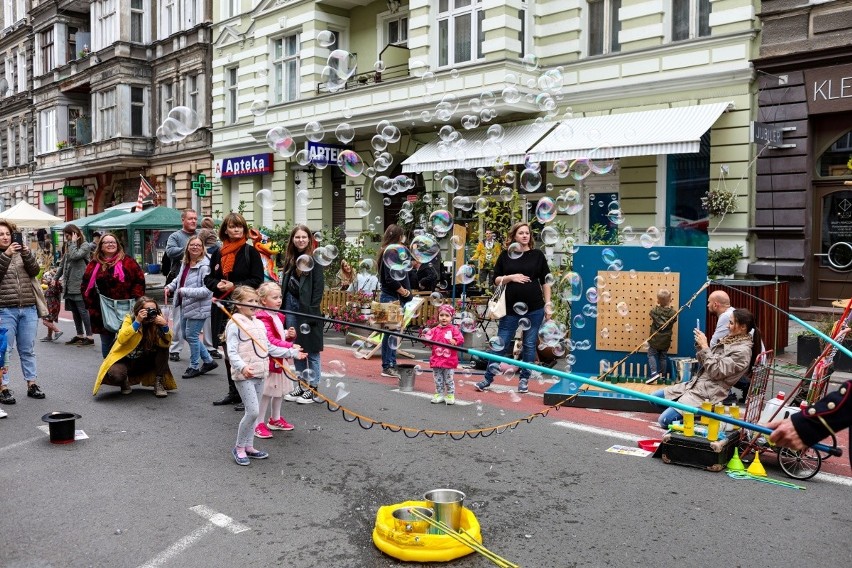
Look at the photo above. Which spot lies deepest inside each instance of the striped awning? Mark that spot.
(477, 148)
(644, 133)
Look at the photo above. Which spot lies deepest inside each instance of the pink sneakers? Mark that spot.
(279, 424)
(261, 431)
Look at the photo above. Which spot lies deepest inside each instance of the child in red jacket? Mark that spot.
(444, 360)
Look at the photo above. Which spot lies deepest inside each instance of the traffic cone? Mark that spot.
(735, 463)
(756, 468)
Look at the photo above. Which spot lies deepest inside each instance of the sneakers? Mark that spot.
(450, 399)
(238, 459)
(174, 356)
(523, 387)
(125, 387)
(84, 341)
(306, 398)
(481, 386)
(207, 367)
(653, 379)
(279, 424)
(46, 339)
(33, 391)
(6, 397)
(76, 340)
(191, 373)
(215, 354)
(730, 400)
(390, 372)
(437, 398)
(294, 394)
(3, 413)
(57, 335)
(159, 388)
(261, 431)
(257, 454)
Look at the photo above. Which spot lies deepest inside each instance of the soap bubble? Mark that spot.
(303, 197)
(186, 119)
(520, 308)
(457, 242)
(524, 324)
(305, 263)
(580, 169)
(259, 107)
(602, 160)
(653, 255)
(530, 180)
(362, 208)
(341, 392)
(281, 141)
(549, 235)
(265, 199)
(530, 62)
(314, 131)
(397, 257)
(592, 295)
(579, 321)
(495, 133)
(573, 202)
(511, 94)
(425, 247)
(325, 38)
(496, 344)
(441, 222)
(608, 255)
(545, 210)
(350, 164)
(571, 287)
(366, 266)
(379, 66)
(450, 184)
(468, 324)
(436, 299)
(622, 309)
(646, 241)
(515, 250)
(344, 132)
(466, 274)
(342, 65)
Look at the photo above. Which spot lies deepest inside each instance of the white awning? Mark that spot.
(644, 133)
(475, 149)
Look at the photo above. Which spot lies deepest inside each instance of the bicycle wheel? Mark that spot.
(799, 465)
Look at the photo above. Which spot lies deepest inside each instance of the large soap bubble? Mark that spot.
(397, 257)
(425, 247)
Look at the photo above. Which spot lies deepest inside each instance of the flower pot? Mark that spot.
(808, 348)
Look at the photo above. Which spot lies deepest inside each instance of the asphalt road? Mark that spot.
(142, 489)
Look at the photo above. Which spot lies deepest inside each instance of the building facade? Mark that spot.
(803, 222)
(106, 73)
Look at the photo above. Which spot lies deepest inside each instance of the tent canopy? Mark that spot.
(25, 215)
(84, 222)
(155, 218)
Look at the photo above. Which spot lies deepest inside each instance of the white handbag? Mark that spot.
(497, 303)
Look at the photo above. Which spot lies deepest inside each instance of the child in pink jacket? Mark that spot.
(443, 360)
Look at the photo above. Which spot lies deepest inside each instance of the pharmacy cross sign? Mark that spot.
(201, 186)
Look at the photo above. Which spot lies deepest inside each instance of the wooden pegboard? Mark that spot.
(624, 303)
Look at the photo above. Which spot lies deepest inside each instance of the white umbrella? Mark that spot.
(25, 215)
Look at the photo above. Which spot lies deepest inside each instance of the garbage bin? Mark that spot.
(682, 369)
(406, 376)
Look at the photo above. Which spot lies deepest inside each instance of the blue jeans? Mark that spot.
(22, 325)
(506, 329)
(669, 415)
(657, 361)
(312, 363)
(388, 354)
(107, 339)
(192, 332)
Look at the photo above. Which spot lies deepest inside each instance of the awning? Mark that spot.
(477, 149)
(644, 133)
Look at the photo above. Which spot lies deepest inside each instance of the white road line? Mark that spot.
(16, 444)
(219, 519)
(827, 477)
(178, 547)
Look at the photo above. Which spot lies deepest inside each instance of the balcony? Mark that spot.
(115, 154)
(395, 59)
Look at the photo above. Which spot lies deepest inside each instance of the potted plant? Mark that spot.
(349, 312)
(719, 202)
(809, 345)
(723, 262)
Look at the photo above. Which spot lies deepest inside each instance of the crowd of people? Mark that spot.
(104, 290)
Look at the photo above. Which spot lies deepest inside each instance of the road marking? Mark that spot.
(16, 444)
(832, 478)
(219, 519)
(214, 519)
(179, 546)
(601, 431)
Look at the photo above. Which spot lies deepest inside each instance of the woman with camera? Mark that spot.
(140, 353)
(113, 274)
(18, 312)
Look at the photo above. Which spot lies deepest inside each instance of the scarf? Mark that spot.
(229, 255)
(117, 270)
(731, 339)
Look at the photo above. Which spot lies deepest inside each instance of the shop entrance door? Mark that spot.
(832, 244)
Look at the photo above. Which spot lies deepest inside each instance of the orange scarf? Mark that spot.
(229, 255)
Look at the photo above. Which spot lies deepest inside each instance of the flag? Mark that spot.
(145, 190)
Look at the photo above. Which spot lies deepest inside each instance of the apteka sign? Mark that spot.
(253, 165)
(319, 153)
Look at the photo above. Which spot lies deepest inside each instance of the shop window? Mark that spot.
(837, 160)
(687, 181)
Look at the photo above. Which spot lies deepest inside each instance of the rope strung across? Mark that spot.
(367, 422)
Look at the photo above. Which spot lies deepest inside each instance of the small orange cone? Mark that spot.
(735, 463)
(756, 468)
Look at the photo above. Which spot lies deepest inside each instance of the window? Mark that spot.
(190, 13)
(690, 19)
(167, 19)
(71, 50)
(523, 32)
(106, 114)
(396, 31)
(167, 100)
(14, 10)
(192, 83)
(137, 111)
(231, 91)
(105, 21)
(286, 68)
(10, 132)
(25, 154)
(47, 130)
(604, 26)
(459, 29)
(687, 180)
(11, 74)
(137, 19)
(833, 162)
(74, 114)
(46, 38)
(230, 8)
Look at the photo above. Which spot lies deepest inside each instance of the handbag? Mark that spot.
(41, 303)
(113, 312)
(497, 303)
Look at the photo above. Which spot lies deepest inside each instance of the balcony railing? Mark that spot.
(395, 63)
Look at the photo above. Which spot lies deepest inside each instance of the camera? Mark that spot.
(18, 237)
(152, 314)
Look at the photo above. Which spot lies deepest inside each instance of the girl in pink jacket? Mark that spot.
(443, 360)
(276, 383)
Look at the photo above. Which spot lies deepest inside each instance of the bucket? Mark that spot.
(404, 520)
(683, 369)
(61, 426)
(406, 377)
(447, 506)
